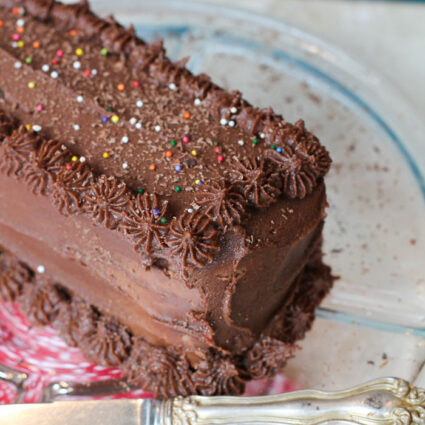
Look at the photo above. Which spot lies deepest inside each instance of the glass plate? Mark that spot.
(373, 322)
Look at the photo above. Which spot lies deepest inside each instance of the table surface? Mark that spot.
(387, 36)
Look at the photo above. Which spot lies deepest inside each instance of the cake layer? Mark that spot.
(166, 372)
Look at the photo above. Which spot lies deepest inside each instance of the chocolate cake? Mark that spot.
(159, 222)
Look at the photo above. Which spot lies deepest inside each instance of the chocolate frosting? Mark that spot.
(105, 341)
(41, 301)
(106, 200)
(163, 371)
(219, 375)
(259, 156)
(194, 238)
(268, 356)
(166, 372)
(210, 191)
(13, 275)
(222, 202)
(142, 221)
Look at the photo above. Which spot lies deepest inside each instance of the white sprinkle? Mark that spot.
(76, 127)
(231, 123)
(233, 110)
(41, 269)
(124, 140)
(54, 74)
(37, 128)
(125, 165)
(14, 44)
(83, 159)
(262, 135)
(139, 103)
(197, 102)
(77, 65)
(157, 128)
(241, 142)
(172, 86)
(94, 72)
(80, 99)
(18, 65)
(190, 210)
(21, 11)
(20, 23)
(45, 68)
(139, 125)
(223, 121)
(133, 121)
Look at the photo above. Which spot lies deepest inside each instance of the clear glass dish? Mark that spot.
(373, 322)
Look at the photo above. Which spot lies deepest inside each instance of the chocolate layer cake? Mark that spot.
(160, 223)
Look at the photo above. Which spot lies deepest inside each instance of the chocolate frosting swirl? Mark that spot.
(106, 200)
(218, 375)
(104, 340)
(143, 222)
(256, 182)
(267, 357)
(15, 150)
(164, 371)
(40, 301)
(69, 187)
(49, 159)
(222, 202)
(13, 276)
(193, 237)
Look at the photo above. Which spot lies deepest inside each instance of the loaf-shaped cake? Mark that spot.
(158, 222)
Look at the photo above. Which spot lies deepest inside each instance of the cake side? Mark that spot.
(96, 262)
(106, 341)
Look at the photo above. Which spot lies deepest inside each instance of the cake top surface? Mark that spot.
(121, 106)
